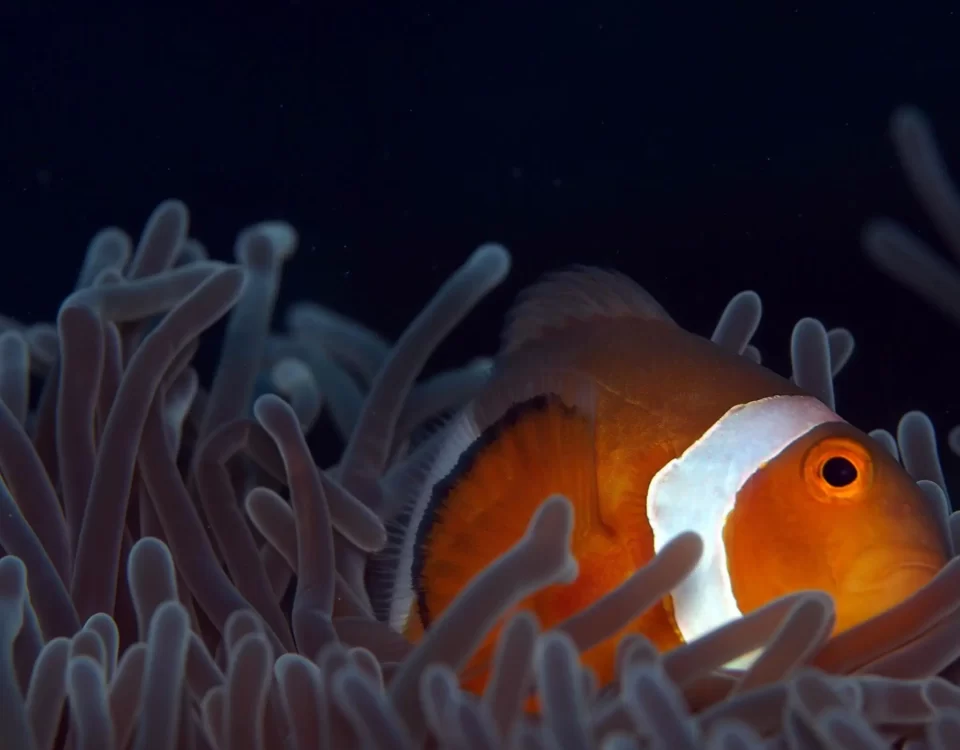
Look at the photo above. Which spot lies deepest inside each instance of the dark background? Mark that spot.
(701, 152)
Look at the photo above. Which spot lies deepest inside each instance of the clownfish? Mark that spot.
(651, 431)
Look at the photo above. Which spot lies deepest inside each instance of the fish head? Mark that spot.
(834, 511)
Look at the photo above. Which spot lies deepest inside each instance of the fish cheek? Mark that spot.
(775, 540)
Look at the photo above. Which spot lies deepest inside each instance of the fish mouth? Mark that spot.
(895, 578)
(890, 568)
(868, 593)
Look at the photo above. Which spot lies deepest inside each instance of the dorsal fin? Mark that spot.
(577, 293)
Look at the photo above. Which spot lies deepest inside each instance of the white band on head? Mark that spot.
(698, 490)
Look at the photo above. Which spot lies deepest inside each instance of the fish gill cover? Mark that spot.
(151, 527)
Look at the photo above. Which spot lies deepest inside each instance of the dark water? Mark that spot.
(702, 152)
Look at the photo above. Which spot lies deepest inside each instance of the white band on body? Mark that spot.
(698, 490)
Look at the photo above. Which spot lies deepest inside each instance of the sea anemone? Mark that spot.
(151, 529)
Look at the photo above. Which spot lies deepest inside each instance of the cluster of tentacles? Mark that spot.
(151, 529)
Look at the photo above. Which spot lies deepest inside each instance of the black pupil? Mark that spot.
(839, 472)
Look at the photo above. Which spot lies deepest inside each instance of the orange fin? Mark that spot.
(579, 293)
(541, 446)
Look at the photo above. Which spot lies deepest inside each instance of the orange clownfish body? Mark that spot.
(652, 431)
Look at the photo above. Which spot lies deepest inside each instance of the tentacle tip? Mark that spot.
(170, 205)
(876, 235)
(907, 118)
(569, 570)
(75, 309)
(282, 235)
(812, 324)
(280, 238)
(15, 568)
(13, 344)
(494, 257)
(822, 599)
(263, 405)
(693, 540)
(916, 417)
(298, 313)
(553, 518)
(171, 614)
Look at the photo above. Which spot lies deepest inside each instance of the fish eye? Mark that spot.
(838, 471)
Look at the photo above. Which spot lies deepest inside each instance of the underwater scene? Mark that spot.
(549, 378)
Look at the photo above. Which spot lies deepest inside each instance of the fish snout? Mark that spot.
(880, 580)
